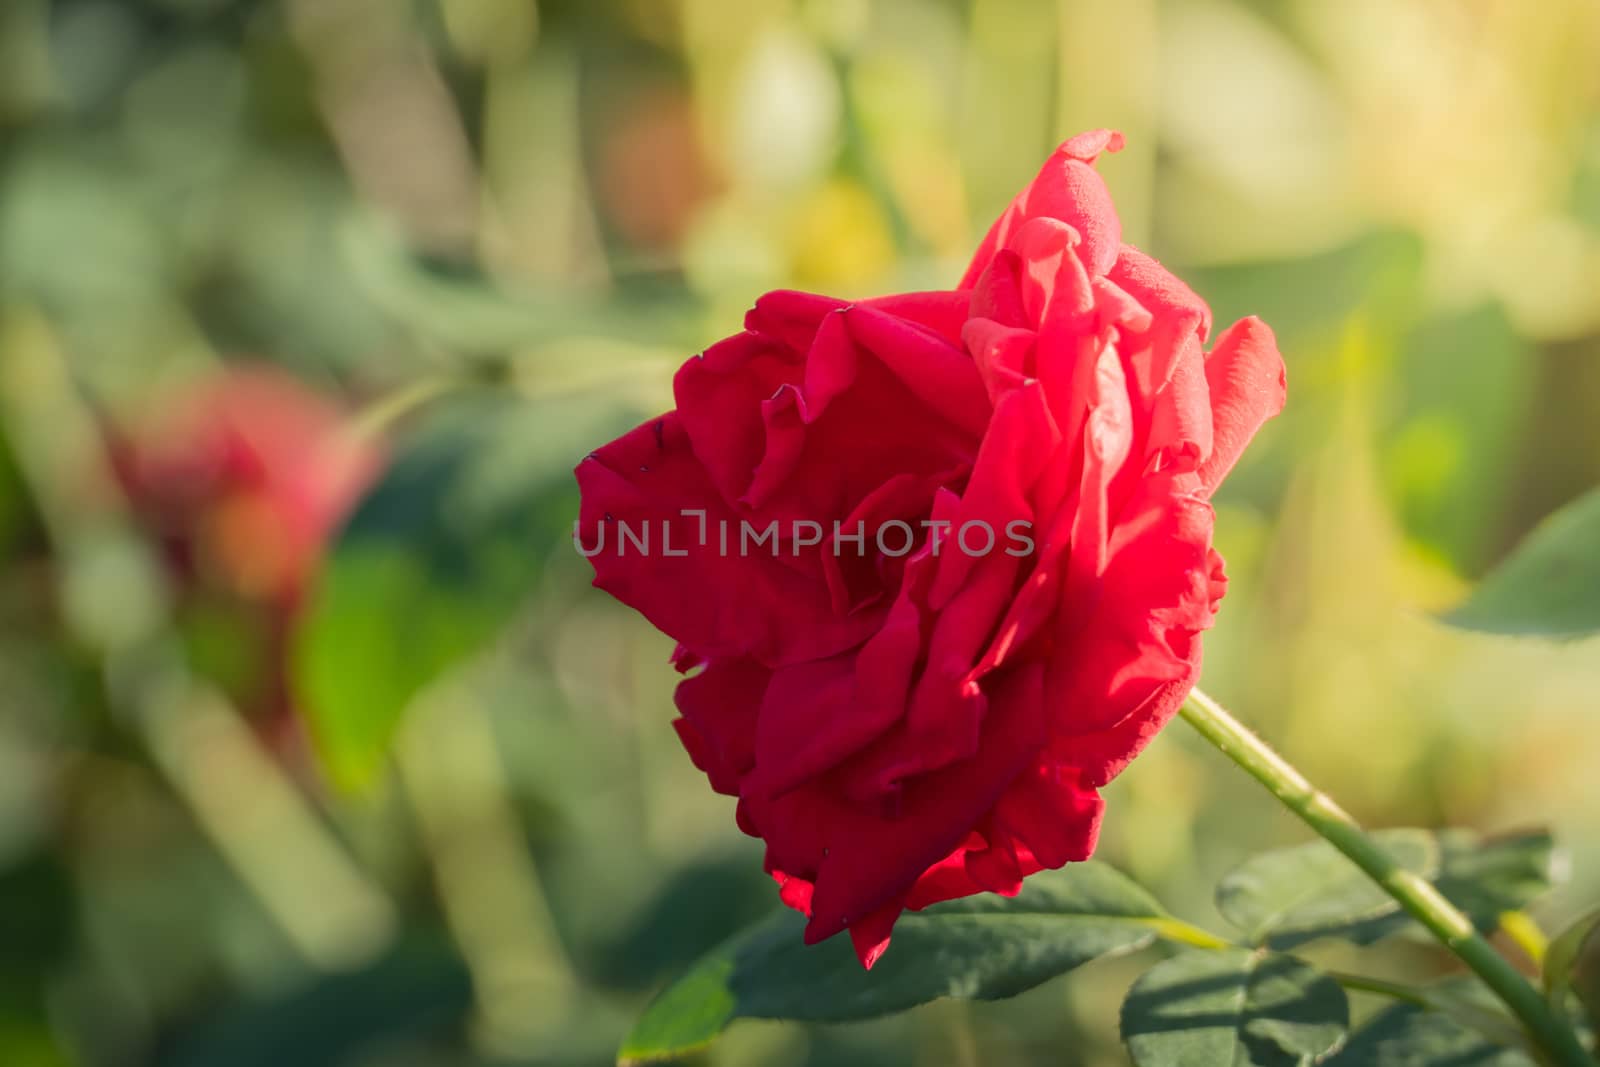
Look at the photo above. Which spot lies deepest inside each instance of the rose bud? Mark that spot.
(939, 562)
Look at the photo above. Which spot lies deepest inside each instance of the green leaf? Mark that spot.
(1550, 584)
(1473, 1005)
(434, 563)
(977, 948)
(1292, 895)
(1408, 1035)
(1562, 957)
(1486, 877)
(1235, 1007)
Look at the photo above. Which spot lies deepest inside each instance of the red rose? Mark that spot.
(242, 478)
(906, 727)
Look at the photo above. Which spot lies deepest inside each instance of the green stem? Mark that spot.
(1413, 892)
(390, 408)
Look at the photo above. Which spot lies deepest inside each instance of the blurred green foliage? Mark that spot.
(536, 210)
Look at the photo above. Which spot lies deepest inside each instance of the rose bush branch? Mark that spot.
(1549, 1034)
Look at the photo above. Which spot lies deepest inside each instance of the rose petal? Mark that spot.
(948, 879)
(1178, 420)
(937, 371)
(719, 603)
(1052, 811)
(869, 935)
(1154, 597)
(1107, 440)
(1105, 753)
(1069, 189)
(854, 419)
(997, 868)
(1021, 441)
(1002, 355)
(719, 705)
(873, 860)
(791, 317)
(719, 395)
(998, 292)
(1247, 387)
(808, 722)
(1173, 306)
(944, 311)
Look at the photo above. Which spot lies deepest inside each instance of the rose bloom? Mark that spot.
(902, 729)
(242, 478)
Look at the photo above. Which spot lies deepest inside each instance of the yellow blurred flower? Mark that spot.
(839, 239)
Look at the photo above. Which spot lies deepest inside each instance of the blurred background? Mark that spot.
(273, 793)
